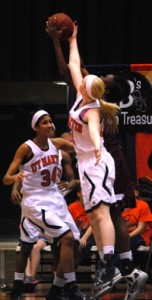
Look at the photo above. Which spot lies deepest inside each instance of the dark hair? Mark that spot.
(116, 89)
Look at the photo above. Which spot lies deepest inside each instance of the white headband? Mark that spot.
(36, 116)
(89, 81)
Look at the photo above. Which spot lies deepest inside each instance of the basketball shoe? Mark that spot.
(135, 283)
(16, 293)
(55, 293)
(104, 276)
(72, 292)
(98, 291)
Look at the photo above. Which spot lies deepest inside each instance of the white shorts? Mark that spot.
(46, 215)
(97, 181)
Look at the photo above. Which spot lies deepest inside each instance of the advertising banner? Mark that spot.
(136, 111)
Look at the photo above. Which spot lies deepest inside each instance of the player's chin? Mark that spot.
(50, 134)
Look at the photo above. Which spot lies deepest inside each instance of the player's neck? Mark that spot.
(41, 143)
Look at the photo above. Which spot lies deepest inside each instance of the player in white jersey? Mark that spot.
(43, 206)
(97, 181)
(65, 187)
(117, 88)
(96, 165)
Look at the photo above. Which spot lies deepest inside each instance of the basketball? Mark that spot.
(63, 21)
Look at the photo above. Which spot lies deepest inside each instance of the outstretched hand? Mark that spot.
(75, 32)
(51, 29)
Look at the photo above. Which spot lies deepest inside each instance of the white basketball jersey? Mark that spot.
(80, 130)
(41, 171)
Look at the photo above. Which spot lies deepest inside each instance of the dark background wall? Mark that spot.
(110, 33)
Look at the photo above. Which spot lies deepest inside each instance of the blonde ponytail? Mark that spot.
(109, 113)
(98, 88)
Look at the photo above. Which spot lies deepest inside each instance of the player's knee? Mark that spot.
(98, 218)
(36, 248)
(68, 239)
(26, 249)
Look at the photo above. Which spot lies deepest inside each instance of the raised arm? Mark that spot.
(55, 35)
(74, 60)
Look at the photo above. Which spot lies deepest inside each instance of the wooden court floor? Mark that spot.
(118, 294)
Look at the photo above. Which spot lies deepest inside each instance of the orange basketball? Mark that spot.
(63, 21)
